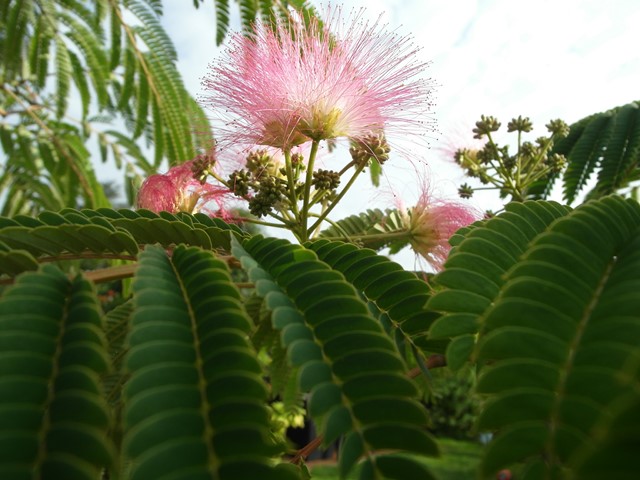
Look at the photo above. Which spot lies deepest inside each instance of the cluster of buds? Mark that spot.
(512, 175)
(326, 180)
(373, 147)
(259, 182)
(264, 182)
(269, 193)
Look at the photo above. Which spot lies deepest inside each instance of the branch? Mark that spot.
(434, 361)
(307, 450)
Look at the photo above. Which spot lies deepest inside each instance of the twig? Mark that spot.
(434, 361)
(307, 450)
(111, 273)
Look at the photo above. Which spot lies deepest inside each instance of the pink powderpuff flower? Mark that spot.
(286, 85)
(431, 222)
(178, 191)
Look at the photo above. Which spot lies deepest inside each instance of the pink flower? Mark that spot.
(178, 191)
(432, 222)
(326, 80)
(159, 193)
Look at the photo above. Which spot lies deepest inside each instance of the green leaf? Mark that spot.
(459, 350)
(104, 231)
(398, 295)
(142, 107)
(198, 361)
(341, 350)
(607, 143)
(364, 228)
(53, 352)
(248, 12)
(474, 273)
(613, 450)
(620, 156)
(400, 468)
(63, 77)
(13, 262)
(585, 156)
(222, 20)
(557, 349)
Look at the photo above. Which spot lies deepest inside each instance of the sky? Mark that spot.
(543, 59)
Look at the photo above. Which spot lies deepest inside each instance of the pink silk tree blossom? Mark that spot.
(432, 222)
(342, 78)
(178, 191)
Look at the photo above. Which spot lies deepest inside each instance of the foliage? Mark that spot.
(552, 327)
(541, 299)
(607, 143)
(201, 339)
(83, 75)
(250, 10)
(458, 462)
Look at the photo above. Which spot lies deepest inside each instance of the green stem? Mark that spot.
(502, 171)
(518, 158)
(285, 223)
(291, 179)
(260, 222)
(303, 234)
(402, 234)
(538, 159)
(337, 199)
(485, 188)
(347, 167)
(336, 225)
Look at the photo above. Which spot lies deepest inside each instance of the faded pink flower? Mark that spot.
(178, 191)
(431, 223)
(341, 78)
(457, 137)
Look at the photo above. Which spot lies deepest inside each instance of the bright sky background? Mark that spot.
(543, 59)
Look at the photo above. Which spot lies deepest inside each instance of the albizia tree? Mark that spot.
(225, 338)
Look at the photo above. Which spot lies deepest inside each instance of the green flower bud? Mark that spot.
(372, 146)
(509, 162)
(557, 162)
(558, 127)
(270, 191)
(201, 165)
(520, 125)
(465, 191)
(297, 160)
(326, 180)
(260, 163)
(239, 182)
(528, 149)
(485, 126)
(260, 206)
